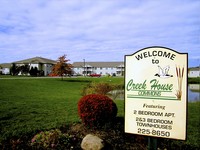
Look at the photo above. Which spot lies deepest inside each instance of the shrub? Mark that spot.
(97, 88)
(89, 89)
(46, 139)
(95, 110)
(103, 88)
(53, 139)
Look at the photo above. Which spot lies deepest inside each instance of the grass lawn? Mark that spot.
(32, 105)
(29, 105)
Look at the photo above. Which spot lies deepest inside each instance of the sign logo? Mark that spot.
(155, 86)
(163, 72)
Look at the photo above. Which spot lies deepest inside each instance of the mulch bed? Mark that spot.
(113, 135)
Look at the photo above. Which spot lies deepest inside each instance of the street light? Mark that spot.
(84, 67)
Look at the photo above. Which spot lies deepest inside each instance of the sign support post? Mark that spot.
(152, 143)
(156, 94)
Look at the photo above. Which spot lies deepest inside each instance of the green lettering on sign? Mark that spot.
(162, 87)
(131, 86)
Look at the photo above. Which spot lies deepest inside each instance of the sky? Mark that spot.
(97, 30)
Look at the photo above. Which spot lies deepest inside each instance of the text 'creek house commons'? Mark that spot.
(103, 68)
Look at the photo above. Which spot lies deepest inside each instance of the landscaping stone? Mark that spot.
(91, 142)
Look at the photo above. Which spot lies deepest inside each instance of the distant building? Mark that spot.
(194, 72)
(42, 64)
(5, 68)
(103, 68)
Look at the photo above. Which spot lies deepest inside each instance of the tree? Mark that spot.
(25, 69)
(62, 67)
(33, 71)
(1, 69)
(15, 69)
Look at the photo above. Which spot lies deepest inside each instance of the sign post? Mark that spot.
(156, 93)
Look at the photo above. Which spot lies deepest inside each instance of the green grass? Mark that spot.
(194, 124)
(29, 105)
(32, 105)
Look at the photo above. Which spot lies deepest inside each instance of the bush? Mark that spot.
(88, 89)
(103, 88)
(53, 139)
(97, 88)
(95, 110)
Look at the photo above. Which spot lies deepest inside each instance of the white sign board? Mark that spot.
(156, 93)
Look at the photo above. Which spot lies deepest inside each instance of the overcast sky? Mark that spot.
(97, 30)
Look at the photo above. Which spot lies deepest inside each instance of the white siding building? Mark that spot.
(5, 68)
(194, 72)
(42, 64)
(103, 68)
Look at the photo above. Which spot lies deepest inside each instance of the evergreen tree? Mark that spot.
(14, 69)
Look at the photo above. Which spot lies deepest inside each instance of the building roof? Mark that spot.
(98, 64)
(194, 69)
(5, 65)
(36, 60)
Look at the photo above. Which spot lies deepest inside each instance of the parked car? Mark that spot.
(95, 75)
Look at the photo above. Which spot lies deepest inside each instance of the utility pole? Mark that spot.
(84, 67)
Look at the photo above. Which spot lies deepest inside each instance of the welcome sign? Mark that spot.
(156, 93)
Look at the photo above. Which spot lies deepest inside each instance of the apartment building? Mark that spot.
(103, 68)
(43, 64)
(194, 72)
